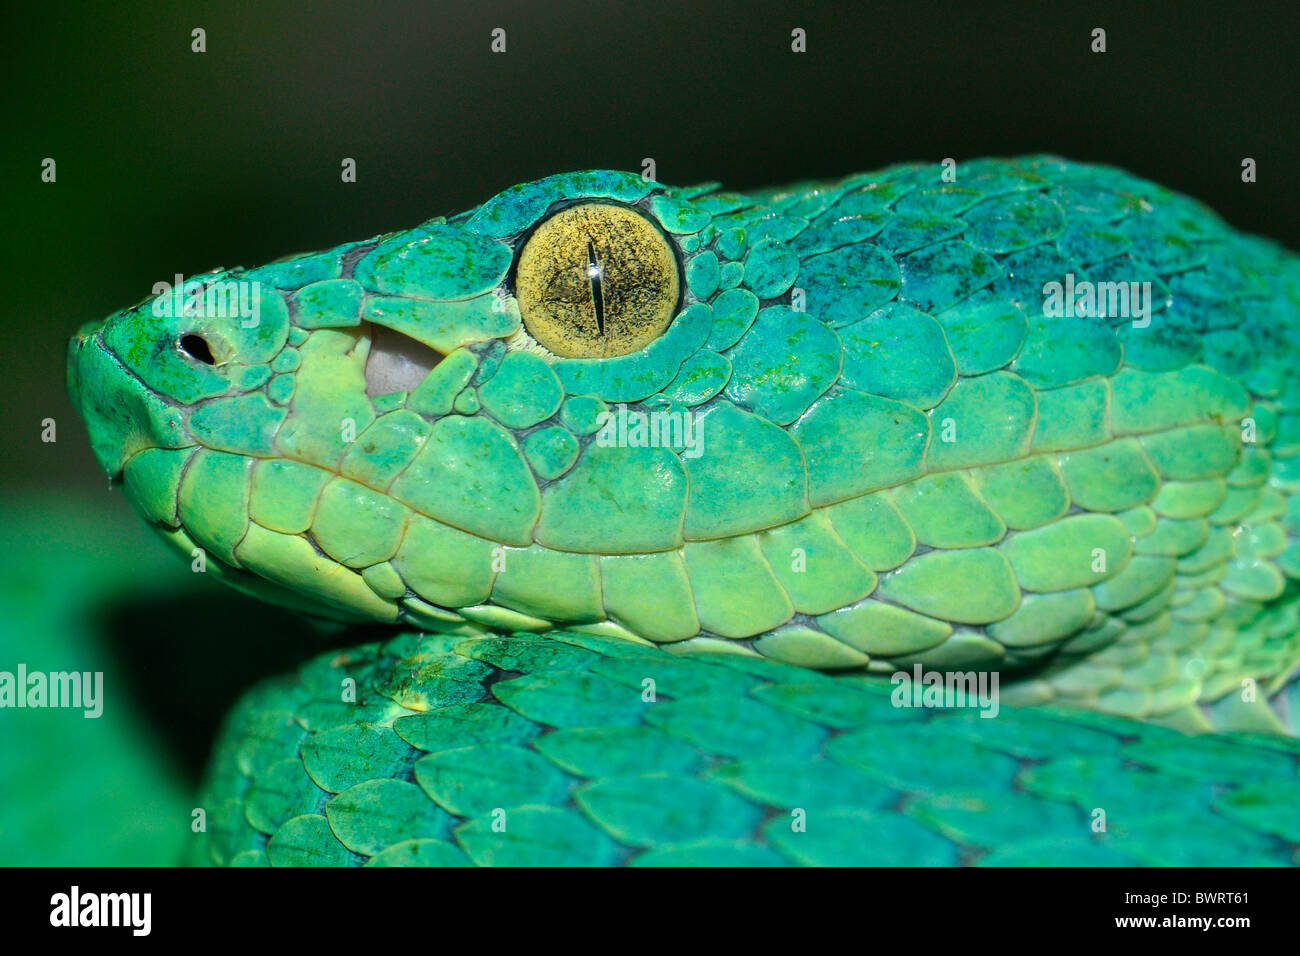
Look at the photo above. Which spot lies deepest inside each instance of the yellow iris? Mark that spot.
(597, 280)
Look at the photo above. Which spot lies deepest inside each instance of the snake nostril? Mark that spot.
(197, 348)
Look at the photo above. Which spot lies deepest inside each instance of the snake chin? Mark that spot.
(396, 362)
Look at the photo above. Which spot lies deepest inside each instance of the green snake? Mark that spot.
(661, 491)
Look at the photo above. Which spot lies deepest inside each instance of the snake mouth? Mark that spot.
(396, 362)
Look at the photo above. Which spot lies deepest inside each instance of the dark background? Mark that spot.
(171, 161)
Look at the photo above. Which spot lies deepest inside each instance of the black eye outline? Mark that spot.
(194, 346)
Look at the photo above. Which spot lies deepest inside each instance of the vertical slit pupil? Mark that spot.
(593, 273)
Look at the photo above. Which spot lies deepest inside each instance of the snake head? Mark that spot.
(840, 425)
(357, 431)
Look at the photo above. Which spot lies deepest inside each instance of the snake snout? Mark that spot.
(122, 415)
(75, 345)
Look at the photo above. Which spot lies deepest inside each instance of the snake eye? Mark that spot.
(596, 280)
(197, 348)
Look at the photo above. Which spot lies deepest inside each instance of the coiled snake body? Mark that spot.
(660, 487)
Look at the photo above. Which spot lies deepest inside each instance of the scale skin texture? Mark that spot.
(617, 653)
